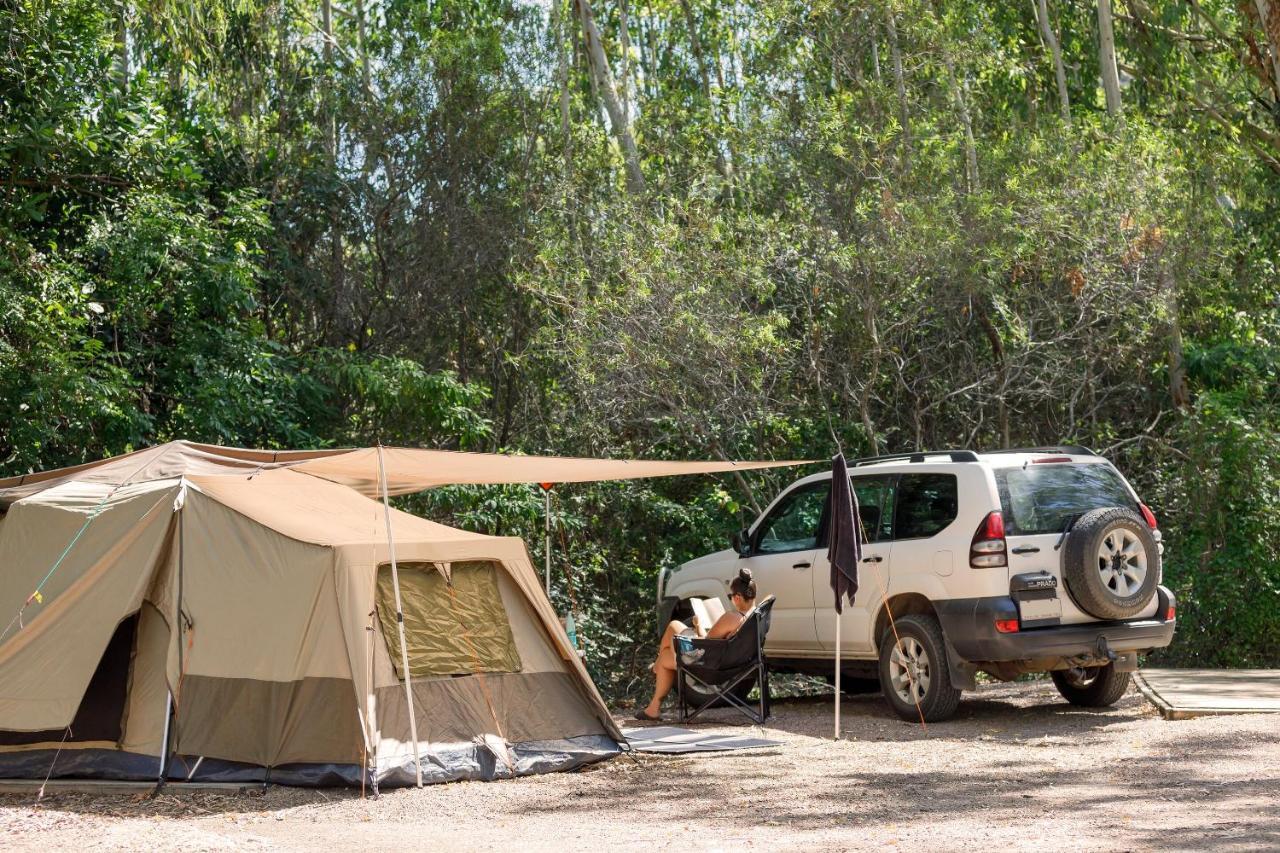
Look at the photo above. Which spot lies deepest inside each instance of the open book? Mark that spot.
(706, 611)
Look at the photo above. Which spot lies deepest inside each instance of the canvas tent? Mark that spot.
(232, 615)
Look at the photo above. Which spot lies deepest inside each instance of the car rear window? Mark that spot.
(1043, 498)
(927, 503)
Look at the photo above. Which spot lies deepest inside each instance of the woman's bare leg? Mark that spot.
(664, 668)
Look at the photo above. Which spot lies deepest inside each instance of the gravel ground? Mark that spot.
(1016, 769)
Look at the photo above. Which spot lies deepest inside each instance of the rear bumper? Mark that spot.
(970, 627)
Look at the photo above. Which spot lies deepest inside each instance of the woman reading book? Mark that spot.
(742, 595)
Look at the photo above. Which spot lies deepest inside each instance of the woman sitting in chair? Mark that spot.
(742, 595)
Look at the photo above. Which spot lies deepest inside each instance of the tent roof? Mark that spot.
(320, 512)
(161, 462)
(408, 470)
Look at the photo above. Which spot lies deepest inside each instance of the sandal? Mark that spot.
(641, 715)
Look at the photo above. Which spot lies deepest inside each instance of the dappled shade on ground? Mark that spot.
(1016, 768)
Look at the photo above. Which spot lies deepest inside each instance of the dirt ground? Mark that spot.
(1016, 769)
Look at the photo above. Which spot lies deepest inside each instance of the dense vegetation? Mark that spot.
(670, 228)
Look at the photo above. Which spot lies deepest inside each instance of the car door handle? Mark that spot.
(802, 565)
(873, 559)
(1026, 549)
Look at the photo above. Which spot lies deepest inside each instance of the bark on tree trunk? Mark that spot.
(123, 72)
(1269, 17)
(704, 74)
(1107, 58)
(900, 86)
(1055, 51)
(959, 95)
(1178, 392)
(331, 144)
(598, 62)
(1002, 369)
(361, 36)
(966, 122)
(864, 399)
(560, 25)
(624, 35)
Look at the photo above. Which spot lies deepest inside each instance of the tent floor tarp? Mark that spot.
(444, 763)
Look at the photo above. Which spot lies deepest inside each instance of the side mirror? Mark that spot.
(741, 542)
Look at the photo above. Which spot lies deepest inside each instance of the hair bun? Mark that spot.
(745, 574)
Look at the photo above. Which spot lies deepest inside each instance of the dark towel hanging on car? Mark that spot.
(844, 539)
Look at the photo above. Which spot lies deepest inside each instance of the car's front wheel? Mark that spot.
(1091, 687)
(913, 670)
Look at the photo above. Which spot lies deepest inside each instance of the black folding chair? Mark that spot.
(721, 666)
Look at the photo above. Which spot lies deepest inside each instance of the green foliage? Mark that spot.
(867, 225)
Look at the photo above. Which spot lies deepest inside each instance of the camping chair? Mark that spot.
(722, 665)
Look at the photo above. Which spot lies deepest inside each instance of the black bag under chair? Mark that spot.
(724, 665)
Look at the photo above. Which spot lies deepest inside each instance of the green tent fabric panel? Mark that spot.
(448, 634)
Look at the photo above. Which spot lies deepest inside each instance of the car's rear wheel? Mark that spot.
(1091, 687)
(913, 670)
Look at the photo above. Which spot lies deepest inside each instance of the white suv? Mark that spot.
(1030, 560)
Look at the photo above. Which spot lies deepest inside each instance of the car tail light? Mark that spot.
(1050, 459)
(1171, 613)
(987, 551)
(1149, 516)
(1007, 626)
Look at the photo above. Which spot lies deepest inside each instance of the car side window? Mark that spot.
(875, 506)
(795, 523)
(927, 503)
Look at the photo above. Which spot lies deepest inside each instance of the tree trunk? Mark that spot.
(362, 35)
(624, 36)
(123, 72)
(1002, 368)
(1055, 51)
(704, 75)
(959, 95)
(966, 123)
(598, 62)
(1107, 58)
(560, 27)
(875, 46)
(900, 85)
(331, 145)
(864, 399)
(1269, 17)
(1178, 392)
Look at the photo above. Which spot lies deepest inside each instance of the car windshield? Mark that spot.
(1043, 498)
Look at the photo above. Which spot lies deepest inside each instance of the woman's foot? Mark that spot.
(644, 715)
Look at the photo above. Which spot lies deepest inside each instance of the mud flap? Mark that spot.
(964, 675)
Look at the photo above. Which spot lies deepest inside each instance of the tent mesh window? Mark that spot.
(448, 633)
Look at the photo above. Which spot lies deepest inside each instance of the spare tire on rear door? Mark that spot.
(1111, 563)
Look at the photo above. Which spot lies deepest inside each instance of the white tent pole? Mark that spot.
(837, 737)
(164, 739)
(395, 584)
(546, 520)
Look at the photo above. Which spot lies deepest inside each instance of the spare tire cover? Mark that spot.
(1111, 563)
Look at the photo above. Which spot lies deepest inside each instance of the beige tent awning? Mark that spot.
(412, 470)
(408, 469)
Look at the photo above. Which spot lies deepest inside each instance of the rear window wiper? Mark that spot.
(1066, 528)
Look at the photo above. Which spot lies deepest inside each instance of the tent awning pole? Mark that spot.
(404, 649)
(546, 523)
(164, 740)
(837, 679)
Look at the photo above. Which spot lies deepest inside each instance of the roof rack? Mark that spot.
(956, 456)
(1072, 449)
